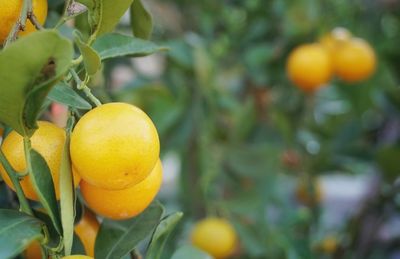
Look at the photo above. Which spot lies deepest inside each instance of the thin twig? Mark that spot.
(20, 23)
(32, 17)
(12, 174)
(82, 86)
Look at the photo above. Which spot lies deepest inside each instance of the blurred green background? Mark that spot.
(239, 139)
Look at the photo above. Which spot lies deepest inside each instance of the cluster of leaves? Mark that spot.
(227, 109)
(44, 67)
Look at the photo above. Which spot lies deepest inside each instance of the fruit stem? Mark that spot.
(65, 14)
(20, 24)
(34, 20)
(82, 86)
(24, 205)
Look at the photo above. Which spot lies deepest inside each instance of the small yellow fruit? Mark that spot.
(77, 257)
(329, 245)
(114, 146)
(309, 195)
(49, 141)
(215, 236)
(309, 66)
(354, 61)
(33, 251)
(10, 11)
(87, 229)
(123, 204)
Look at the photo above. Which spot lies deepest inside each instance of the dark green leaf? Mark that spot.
(191, 252)
(28, 70)
(77, 246)
(43, 183)
(117, 238)
(161, 234)
(63, 93)
(17, 231)
(54, 237)
(141, 21)
(117, 45)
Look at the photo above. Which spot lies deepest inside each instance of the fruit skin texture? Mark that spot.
(114, 146)
(309, 66)
(123, 204)
(9, 13)
(33, 251)
(49, 141)
(77, 257)
(87, 229)
(216, 236)
(354, 61)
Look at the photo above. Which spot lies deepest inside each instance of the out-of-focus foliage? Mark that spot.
(245, 136)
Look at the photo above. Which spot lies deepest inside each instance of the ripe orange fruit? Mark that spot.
(354, 61)
(77, 257)
(33, 251)
(335, 39)
(10, 11)
(309, 196)
(123, 204)
(114, 146)
(87, 229)
(216, 236)
(309, 66)
(49, 141)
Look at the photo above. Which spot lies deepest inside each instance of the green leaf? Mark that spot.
(104, 15)
(91, 59)
(43, 184)
(117, 238)
(141, 20)
(63, 93)
(114, 45)
(28, 70)
(191, 252)
(161, 234)
(112, 11)
(67, 193)
(17, 231)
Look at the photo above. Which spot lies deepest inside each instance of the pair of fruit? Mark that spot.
(10, 11)
(114, 149)
(216, 236)
(86, 229)
(311, 66)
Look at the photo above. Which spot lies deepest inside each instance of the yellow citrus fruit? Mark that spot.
(10, 11)
(329, 245)
(87, 229)
(335, 39)
(77, 257)
(354, 61)
(33, 251)
(309, 66)
(123, 204)
(49, 141)
(309, 195)
(114, 146)
(216, 236)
